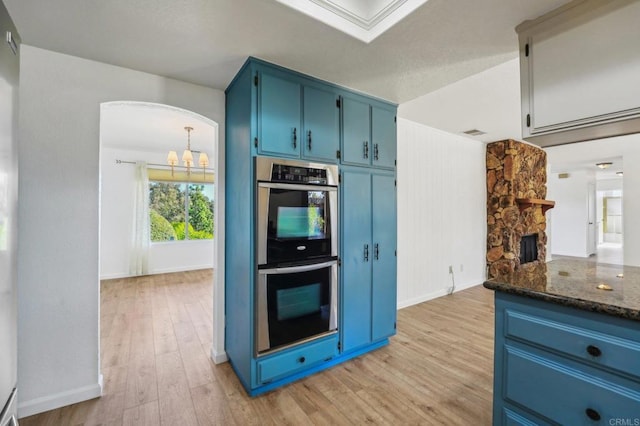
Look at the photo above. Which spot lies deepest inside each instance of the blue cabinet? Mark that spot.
(561, 365)
(383, 264)
(321, 125)
(383, 137)
(271, 111)
(368, 256)
(296, 118)
(280, 115)
(368, 133)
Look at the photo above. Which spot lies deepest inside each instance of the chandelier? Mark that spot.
(187, 156)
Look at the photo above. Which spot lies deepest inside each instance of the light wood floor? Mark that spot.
(156, 337)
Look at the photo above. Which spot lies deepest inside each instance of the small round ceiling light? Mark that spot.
(619, 173)
(604, 165)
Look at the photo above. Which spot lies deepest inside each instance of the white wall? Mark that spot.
(441, 212)
(569, 216)
(58, 282)
(117, 206)
(627, 147)
(488, 101)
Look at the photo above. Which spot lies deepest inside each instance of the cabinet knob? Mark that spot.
(301, 360)
(594, 350)
(592, 414)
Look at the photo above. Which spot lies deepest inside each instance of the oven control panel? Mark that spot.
(297, 174)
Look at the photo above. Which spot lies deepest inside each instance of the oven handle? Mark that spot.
(301, 187)
(296, 269)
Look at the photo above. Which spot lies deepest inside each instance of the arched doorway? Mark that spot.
(133, 132)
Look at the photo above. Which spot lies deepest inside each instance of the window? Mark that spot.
(180, 211)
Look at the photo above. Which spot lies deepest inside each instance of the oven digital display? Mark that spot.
(300, 222)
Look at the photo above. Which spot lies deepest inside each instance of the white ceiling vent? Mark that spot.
(474, 132)
(361, 19)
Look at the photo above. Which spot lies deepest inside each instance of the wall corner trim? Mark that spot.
(218, 358)
(61, 399)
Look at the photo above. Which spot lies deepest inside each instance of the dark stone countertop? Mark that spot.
(574, 283)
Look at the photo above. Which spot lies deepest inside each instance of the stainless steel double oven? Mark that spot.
(297, 252)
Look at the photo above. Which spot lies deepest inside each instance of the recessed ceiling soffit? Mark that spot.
(361, 19)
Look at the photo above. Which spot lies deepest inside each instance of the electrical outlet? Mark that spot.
(451, 269)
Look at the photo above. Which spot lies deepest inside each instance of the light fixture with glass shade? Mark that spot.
(172, 160)
(203, 161)
(187, 156)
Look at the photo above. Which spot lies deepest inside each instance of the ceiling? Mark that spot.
(154, 128)
(206, 41)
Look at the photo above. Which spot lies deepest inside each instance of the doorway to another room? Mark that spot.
(610, 232)
(158, 252)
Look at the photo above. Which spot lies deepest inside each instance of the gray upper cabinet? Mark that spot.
(580, 72)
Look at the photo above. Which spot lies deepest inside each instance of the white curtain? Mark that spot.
(139, 264)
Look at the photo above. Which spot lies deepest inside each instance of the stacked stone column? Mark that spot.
(514, 170)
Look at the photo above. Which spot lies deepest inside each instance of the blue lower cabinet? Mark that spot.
(513, 417)
(369, 288)
(287, 363)
(562, 365)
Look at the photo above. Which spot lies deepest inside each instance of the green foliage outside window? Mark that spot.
(161, 229)
(179, 203)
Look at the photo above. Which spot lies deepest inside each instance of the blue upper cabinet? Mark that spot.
(297, 119)
(356, 130)
(383, 137)
(279, 115)
(369, 133)
(321, 125)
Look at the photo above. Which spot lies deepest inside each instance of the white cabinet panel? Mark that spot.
(580, 67)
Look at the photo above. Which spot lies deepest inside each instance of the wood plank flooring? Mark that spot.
(156, 335)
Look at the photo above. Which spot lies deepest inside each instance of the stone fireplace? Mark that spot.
(516, 206)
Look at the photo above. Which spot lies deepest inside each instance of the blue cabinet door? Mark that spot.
(321, 138)
(356, 259)
(383, 137)
(356, 129)
(384, 292)
(279, 116)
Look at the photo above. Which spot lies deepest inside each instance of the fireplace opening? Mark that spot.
(528, 248)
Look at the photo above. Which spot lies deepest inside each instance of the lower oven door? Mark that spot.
(295, 305)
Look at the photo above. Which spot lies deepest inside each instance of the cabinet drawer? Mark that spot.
(588, 345)
(566, 392)
(296, 360)
(513, 417)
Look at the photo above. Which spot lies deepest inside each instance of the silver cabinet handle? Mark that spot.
(296, 269)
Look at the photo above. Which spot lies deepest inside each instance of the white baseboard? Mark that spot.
(51, 402)
(158, 271)
(434, 295)
(218, 358)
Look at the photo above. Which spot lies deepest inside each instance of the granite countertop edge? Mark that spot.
(585, 305)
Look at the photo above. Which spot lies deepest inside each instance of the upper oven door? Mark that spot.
(296, 223)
